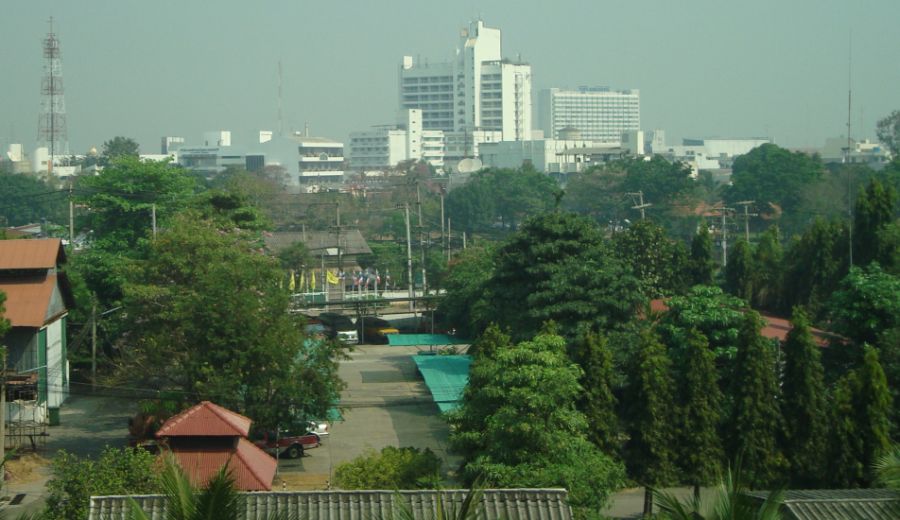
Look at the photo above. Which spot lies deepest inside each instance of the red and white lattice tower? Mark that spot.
(52, 131)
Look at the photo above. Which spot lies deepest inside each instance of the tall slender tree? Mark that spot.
(874, 211)
(597, 402)
(698, 445)
(804, 405)
(701, 264)
(845, 470)
(740, 271)
(768, 258)
(755, 423)
(649, 453)
(872, 406)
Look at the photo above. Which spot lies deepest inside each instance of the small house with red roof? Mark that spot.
(206, 437)
(38, 299)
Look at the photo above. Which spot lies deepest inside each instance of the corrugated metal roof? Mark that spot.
(506, 504)
(252, 468)
(839, 504)
(36, 253)
(206, 419)
(28, 300)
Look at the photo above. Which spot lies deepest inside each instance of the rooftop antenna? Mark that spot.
(280, 111)
(847, 150)
(306, 129)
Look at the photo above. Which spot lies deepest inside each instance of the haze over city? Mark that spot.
(704, 68)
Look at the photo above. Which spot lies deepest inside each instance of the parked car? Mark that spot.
(339, 326)
(315, 329)
(320, 428)
(286, 444)
(376, 330)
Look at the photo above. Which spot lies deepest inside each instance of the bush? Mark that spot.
(393, 468)
(125, 471)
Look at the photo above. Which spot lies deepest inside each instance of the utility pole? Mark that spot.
(409, 271)
(747, 215)
(449, 240)
(3, 415)
(94, 345)
(153, 218)
(442, 216)
(849, 144)
(71, 217)
(639, 204)
(725, 211)
(421, 238)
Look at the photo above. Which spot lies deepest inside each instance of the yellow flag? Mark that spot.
(312, 281)
(292, 284)
(332, 278)
(302, 281)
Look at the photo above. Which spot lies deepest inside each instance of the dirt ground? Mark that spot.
(26, 468)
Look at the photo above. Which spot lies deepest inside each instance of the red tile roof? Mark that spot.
(206, 420)
(28, 300)
(252, 468)
(774, 328)
(38, 253)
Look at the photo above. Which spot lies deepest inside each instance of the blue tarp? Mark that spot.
(445, 377)
(409, 340)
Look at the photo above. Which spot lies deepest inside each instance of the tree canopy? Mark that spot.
(518, 425)
(208, 319)
(771, 175)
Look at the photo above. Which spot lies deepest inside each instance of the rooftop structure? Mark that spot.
(206, 437)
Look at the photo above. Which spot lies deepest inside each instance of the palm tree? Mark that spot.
(887, 468)
(728, 503)
(470, 508)
(219, 499)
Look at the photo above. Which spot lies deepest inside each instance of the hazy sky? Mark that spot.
(145, 69)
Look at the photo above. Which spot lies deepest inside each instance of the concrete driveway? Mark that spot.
(385, 403)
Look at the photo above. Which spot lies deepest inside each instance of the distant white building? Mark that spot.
(309, 163)
(709, 153)
(478, 95)
(545, 155)
(600, 114)
(386, 146)
(873, 154)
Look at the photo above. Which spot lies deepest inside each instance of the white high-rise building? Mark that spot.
(477, 93)
(386, 146)
(599, 114)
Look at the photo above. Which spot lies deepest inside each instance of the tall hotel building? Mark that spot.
(598, 113)
(476, 97)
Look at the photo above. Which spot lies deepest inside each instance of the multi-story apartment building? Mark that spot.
(599, 114)
(386, 146)
(477, 94)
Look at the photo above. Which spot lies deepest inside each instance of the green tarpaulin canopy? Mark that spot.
(445, 377)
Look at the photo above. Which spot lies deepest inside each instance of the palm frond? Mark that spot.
(887, 468)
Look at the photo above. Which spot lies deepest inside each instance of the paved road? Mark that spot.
(385, 403)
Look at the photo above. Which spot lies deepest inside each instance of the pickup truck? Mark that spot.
(285, 444)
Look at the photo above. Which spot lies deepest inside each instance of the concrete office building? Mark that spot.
(545, 155)
(600, 114)
(478, 95)
(386, 146)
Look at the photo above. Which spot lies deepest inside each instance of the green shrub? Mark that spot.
(393, 468)
(126, 471)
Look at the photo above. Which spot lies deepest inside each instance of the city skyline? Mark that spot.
(703, 69)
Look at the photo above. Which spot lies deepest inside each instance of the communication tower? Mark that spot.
(52, 131)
